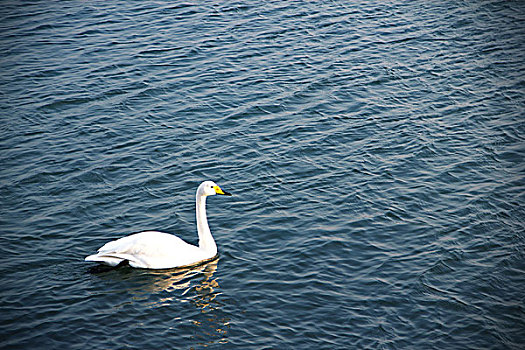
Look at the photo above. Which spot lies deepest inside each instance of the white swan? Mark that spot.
(158, 250)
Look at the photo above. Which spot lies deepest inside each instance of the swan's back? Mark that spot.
(149, 249)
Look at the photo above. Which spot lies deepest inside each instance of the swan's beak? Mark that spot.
(218, 190)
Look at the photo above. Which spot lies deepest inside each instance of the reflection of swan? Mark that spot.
(172, 280)
(198, 286)
(175, 289)
(158, 250)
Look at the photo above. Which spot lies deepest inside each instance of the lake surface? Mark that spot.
(375, 150)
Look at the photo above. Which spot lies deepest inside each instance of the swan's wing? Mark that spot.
(149, 249)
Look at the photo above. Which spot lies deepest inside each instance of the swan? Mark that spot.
(159, 250)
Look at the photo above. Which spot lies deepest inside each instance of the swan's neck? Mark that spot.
(206, 241)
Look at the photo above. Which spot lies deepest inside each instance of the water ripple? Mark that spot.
(375, 150)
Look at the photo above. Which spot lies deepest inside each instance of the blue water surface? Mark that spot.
(375, 150)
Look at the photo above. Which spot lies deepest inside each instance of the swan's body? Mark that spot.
(158, 250)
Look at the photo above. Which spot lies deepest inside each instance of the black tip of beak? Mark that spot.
(227, 193)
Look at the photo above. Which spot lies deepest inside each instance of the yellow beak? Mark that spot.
(218, 190)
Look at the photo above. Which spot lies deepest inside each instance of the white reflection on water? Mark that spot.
(210, 326)
(184, 280)
(173, 289)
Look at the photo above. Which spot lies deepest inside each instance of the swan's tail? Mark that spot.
(105, 259)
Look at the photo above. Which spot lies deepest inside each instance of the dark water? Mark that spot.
(375, 150)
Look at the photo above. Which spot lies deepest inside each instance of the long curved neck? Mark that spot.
(206, 241)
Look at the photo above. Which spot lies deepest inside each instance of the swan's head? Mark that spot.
(210, 188)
